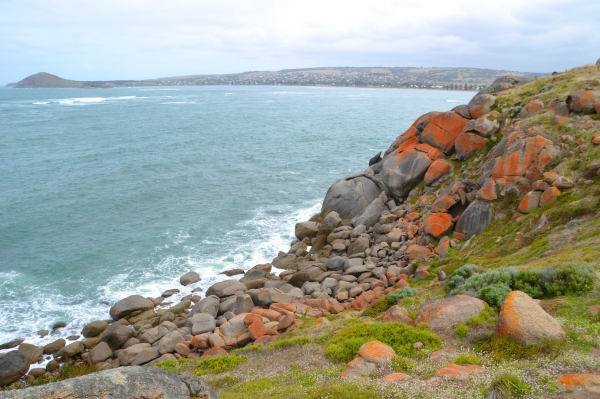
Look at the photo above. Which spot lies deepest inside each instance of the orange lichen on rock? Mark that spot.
(583, 101)
(573, 380)
(467, 144)
(395, 377)
(531, 108)
(455, 371)
(437, 224)
(376, 351)
(530, 202)
(480, 105)
(437, 170)
(487, 191)
(443, 130)
(549, 195)
(526, 157)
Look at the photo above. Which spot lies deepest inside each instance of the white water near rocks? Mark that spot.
(112, 192)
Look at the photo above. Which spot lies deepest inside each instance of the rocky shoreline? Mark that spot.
(374, 236)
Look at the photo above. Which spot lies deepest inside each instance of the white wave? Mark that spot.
(229, 94)
(179, 102)
(40, 103)
(91, 100)
(455, 101)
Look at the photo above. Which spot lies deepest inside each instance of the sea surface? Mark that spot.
(107, 193)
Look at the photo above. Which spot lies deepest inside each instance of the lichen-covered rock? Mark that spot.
(481, 104)
(458, 372)
(396, 313)
(438, 223)
(377, 352)
(349, 197)
(531, 108)
(443, 314)
(523, 320)
(468, 144)
(120, 383)
(583, 101)
(443, 130)
(549, 195)
(438, 169)
(530, 202)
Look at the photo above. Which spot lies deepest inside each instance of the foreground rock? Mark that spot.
(129, 305)
(13, 366)
(523, 320)
(443, 314)
(122, 383)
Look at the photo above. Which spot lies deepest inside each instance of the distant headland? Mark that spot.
(397, 77)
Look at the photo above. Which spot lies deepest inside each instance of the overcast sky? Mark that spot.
(136, 39)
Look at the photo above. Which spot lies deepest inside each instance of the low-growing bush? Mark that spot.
(377, 307)
(345, 345)
(493, 286)
(508, 386)
(487, 316)
(467, 358)
(294, 341)
(175, 366)
(218, 364)
(67, 371)
(395, 297)
(502, 349)
(402, 364)
(462, 331)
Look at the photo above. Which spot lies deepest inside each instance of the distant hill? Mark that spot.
(396, 77)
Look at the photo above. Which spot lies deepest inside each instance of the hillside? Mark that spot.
(406, 77)
(462, 262)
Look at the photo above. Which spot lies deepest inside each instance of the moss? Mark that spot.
(467, 358)
(218, 364)
(294, 341)
(400, 337)
(462, 330)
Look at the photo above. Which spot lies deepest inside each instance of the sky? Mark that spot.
(144, 39)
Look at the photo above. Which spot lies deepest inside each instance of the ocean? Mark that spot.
(107, 193)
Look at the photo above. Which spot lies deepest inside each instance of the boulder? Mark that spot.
(482, 104)
(583, 101)
(371, 214)
(132, 303)
(203, 323)
(335, 263)
(377, 352)
(396, 313)
(443, 130)
(94, 328)
(418, 253)
(126, 356)
(226, 288)
(71, 350)
(438, 169)
(234, 326)
(208, 305)
(475, 219)
(359, 246)
(531, 108)
(458, 372)
(116, 335)
(99, 353)
(189, 278)
(523, 320)
(549, 195)
(32, 351)
(54, 346)
(443, 314)
(146, 356)
(306, 229)
(349, 197)
(402, 171)
(483, 126)
(438, 223)
(123, 382)
(13, 365)
(468, 144)
(530, 202)
(330, 222)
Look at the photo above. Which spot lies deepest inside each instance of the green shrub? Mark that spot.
(402, 293)
(509, 386)
(402, 364)
(67, 371)
(249, 348)
(460, 275)
(377, 307)
(400, 337)
(218, 364)
(467, 358)
(487, 316)
(501, 348)
(494, 294)
(294, 341)
(572, 279)
(462, 331)
(175, 366)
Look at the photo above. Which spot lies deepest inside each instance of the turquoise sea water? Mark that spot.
(108, 193)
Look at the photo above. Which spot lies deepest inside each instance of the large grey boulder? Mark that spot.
(145, 356)
(226, 288)
(120, 383)
(99, 353)
(116, 335)
(208, 305)
(127, 355)
(94, 328)
(330, 222)
(475, 219)
(189, 278)
(371, 214)
(335, 263)
(234, 326)
(132, 303)
(54, 346)
(523, 320)
(13, 365)
(349, 197)
(401, 172)
(32, 351)
(203, 323)
(71, 350)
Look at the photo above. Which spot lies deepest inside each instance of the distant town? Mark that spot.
(380, 77)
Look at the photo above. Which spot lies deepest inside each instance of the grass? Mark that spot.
(462, 330)
(282, 343)
(219, 364)
(509, 386)
(467, 358)
(400, 337)
(503, 349)
(66, 372)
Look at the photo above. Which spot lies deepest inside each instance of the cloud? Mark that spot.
(145, 39)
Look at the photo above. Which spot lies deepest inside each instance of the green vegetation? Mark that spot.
(400, 337)
(503, 349)
(282, 343)
(492, 286)
(219, 364)
(403, 364)
(67, 371)
(176, 366)
(462, 331)
(467, 358)
(377, 307)
(402, 293)
(487, 317)
(509, 386)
